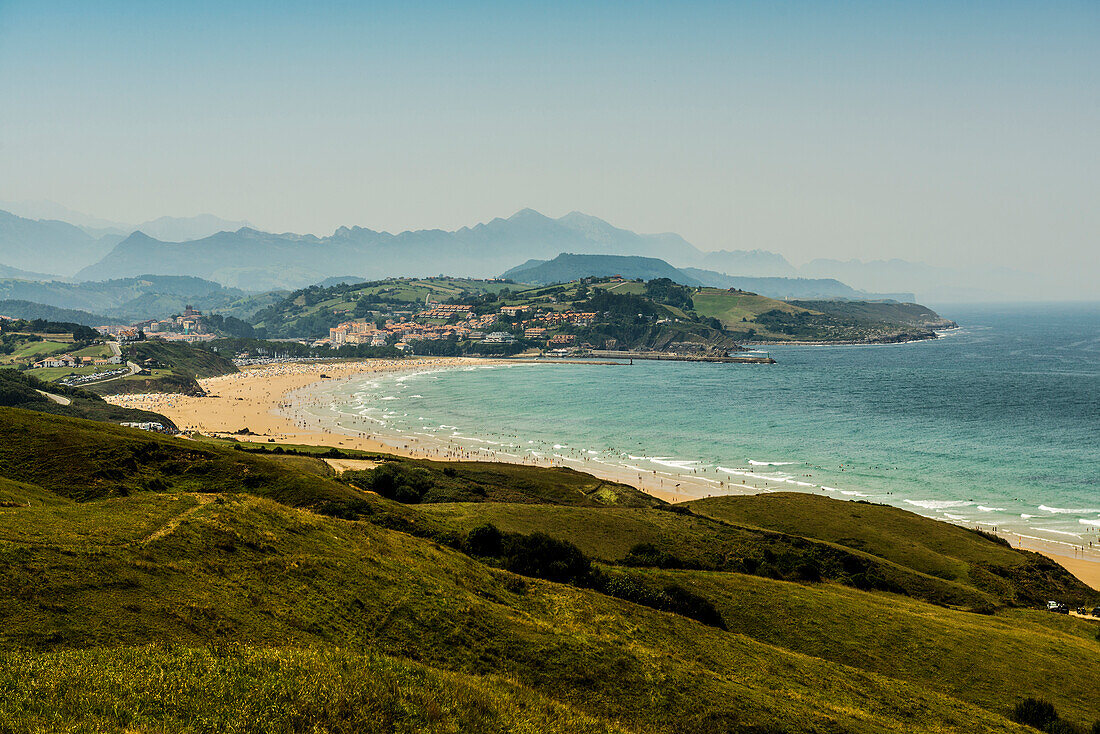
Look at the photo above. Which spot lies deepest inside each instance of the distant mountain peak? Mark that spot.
(527, 213)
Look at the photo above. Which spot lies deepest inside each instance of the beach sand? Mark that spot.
(260, 399)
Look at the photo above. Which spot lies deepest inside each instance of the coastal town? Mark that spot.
(440, 321)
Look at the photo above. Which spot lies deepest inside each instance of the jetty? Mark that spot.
(746, 358)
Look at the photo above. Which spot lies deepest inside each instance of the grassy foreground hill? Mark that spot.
(159, 584)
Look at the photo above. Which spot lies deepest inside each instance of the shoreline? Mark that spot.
(258, 397)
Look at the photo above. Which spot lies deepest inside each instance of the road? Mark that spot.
(59, 399)
(116, 349)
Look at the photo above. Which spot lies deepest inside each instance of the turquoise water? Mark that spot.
(996, 423)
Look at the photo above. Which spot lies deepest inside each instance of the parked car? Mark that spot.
(1096, 612)
(1058, 607)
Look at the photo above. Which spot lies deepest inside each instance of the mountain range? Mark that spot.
(171, 229)
(253, 260)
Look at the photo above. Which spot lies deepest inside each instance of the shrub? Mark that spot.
(484, 540)
(808, 571)
(649, 556)
(544, 557)
(1035, 712)
(694, 606)
(670, 598)
(991, 537)
(401, 483)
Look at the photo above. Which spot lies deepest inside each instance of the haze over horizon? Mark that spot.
(943, 135)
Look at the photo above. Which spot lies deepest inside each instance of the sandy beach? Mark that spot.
(263, 399)
(266, 399)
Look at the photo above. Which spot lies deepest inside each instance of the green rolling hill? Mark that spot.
(152, 583)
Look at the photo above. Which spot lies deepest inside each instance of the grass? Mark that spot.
(157, 584)
(480, 481)
(772, 319)
(252, 572)
(730, 308)
(251, 689)
(972, 657)
(182, 359)
(156, 381)
(609, 535)
(83, 461)
(33, 351)
(94, 351)
(938, 549)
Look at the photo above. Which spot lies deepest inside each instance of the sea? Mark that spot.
(995, 424)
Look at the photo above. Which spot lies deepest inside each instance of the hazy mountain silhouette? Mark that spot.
(254, 260)
(48, 245)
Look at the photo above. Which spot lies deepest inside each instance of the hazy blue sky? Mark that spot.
(955, 131)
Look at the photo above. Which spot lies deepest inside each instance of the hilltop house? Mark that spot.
(65, 360)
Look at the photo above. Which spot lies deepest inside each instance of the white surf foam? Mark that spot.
(674, 463)
(1058, 532)
(1069, 511)
(938, 504)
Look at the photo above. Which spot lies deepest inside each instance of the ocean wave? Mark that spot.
(771, 463)
(1026, 517)
(1058, 532)
(390, 397)
(983, 508)
(1069, 511)
(938, 504)
(1090, 521)
(411, 375)
(674, 463)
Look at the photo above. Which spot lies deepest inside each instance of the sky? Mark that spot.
(963, 133)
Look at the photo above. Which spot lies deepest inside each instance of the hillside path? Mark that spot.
(168, 527)
(59, 399)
